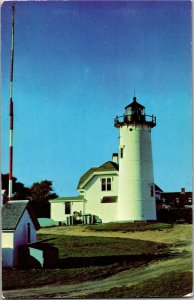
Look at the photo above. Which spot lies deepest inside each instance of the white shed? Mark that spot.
(63, 207)
(19, 227)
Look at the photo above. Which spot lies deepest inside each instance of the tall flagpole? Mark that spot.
(10, 194)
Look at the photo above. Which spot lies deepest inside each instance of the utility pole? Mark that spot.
(10, 194)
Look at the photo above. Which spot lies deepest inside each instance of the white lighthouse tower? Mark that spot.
(136, 195)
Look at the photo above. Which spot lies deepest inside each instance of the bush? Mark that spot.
(175, 215)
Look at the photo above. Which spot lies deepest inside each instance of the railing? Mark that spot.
(135, 119)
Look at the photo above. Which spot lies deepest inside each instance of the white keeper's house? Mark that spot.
(122, 189)
(98, 189)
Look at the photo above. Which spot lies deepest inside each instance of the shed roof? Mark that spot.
(66, 199)
(107, 166)
(12, 213)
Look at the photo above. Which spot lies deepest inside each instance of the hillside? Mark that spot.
(101, 281)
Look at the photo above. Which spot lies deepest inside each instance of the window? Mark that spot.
(152, 191)
(67, 208)
(121, 153)
(29, 237)
(106, 184)
(163, 200)
(103, 184)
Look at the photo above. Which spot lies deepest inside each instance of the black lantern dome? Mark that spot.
(135, 114)
(134, 111)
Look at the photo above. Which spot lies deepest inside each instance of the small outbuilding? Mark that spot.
(19, 226)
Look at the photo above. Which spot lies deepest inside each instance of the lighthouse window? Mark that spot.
(151, 191)
(121, 153)
(106, 184)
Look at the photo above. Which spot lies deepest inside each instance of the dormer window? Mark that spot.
(106, 184)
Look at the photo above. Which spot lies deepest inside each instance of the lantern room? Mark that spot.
(135, 114)
(134, 111)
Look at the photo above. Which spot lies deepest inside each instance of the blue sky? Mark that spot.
(76, 67)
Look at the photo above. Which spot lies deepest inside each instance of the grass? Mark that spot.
(172, 284)
(90, 246)
(127, 227)
(16, 279)
(83, 247)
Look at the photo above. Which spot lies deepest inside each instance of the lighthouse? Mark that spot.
(136, 194)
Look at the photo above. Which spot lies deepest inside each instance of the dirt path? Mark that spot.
(180, 237)
(125, 278)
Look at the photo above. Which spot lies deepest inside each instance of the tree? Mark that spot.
(20, 192)
(40, 193)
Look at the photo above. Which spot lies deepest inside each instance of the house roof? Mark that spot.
(106, 167)
(12, 213)
(66, 199)
(157, 188)
(173, 195)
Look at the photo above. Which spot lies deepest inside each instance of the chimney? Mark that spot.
(182, 190)
(115, 158)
